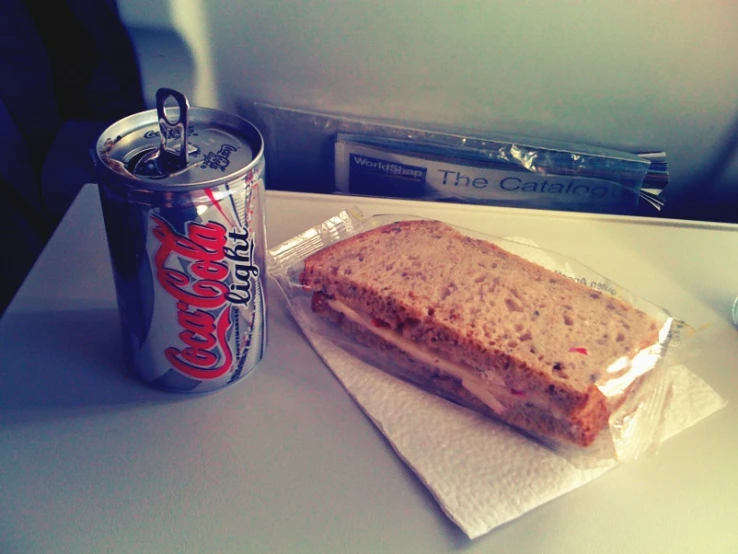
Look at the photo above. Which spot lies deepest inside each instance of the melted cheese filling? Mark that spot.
(486, 388)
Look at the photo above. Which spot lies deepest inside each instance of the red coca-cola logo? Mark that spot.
(201, 296)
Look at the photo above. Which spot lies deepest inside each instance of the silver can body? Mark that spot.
(188, 250)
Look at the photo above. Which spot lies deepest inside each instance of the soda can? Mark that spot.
(182, 192)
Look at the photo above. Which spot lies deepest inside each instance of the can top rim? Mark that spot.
(226, 146)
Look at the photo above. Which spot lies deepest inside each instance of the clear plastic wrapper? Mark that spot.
(635, 387)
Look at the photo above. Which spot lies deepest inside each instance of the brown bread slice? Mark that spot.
(537, 342)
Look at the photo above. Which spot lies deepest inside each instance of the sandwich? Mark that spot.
(479, 325)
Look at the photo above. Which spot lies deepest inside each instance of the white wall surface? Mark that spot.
(640, 74)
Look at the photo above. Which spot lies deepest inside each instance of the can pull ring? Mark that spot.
(173, 148)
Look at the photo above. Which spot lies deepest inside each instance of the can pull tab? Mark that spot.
(173, 148)
(171, 158)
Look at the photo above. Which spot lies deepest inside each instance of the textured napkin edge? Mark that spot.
(484, 522)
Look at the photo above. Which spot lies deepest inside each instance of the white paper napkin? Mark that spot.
(482, 474)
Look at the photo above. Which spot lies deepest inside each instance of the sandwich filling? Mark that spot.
(488, 388)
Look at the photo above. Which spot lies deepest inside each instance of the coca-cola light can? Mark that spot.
(182, 192)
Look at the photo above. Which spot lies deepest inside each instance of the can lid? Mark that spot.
(180, 146)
